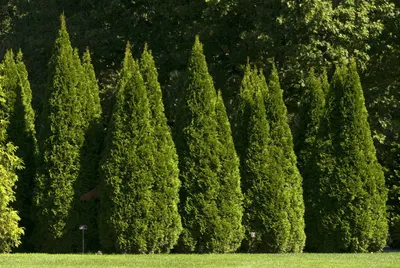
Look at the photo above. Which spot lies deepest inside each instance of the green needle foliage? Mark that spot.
(127, 187)
(21, 132)
(349, 202)
(85, 212)
(230, 196)
(207, 225)
(311, 112)
(282, 150)
(165, 222)
(10, 232)
(263, 182)
(60, 141)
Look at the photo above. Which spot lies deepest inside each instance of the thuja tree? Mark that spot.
(282, 149)
(165, 222)
(21, 132)
(263, 181)
(230, 196)
(349, 204)
(10, 232)
(85, 212)
(60, 140)
(310, 114)
(127, 180)
(207, 226)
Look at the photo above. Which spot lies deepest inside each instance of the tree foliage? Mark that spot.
(10, 232)
(21, 132)
(349, 201)
(263, 183)
(165, 222)
(211, 217)
(282, 150)
(60, 140)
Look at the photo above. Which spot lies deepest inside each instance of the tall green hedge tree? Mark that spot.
(165, 222)
(349, 202)
(85, 212)
(282, 149)
(266, 198)
(131, 182)
(21, 132)
(10, 232)
(208, 224)
(60, 141)
(310, 114)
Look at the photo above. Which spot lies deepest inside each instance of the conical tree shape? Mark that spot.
(10, 232)
(85, 212)
(165, 224)
(230, 196)
(21, 132)
(310, 115)
(205, 226)
(127, 181)
(263, 184)
(60, 141)
(350, 205)
(282, 149)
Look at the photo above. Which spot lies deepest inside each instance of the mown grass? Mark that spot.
(206, 260)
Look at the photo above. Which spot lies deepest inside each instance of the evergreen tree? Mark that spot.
(349, 204)
(85, 212)
(60, 140)
(165, 223)
(21, 132)
(263, 182)
(230, 197)
(10, 232)
(282, 149)
(311, 112)
(207, 226)
(127, 179)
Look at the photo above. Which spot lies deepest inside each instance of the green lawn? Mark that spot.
(212, 260)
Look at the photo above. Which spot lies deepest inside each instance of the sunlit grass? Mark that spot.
(206, 260)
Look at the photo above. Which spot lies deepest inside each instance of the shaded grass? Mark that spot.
(206, 260)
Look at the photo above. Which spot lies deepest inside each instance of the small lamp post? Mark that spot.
(253, 236)
(83, 228)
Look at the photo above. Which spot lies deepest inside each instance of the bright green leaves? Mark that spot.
(211, 217)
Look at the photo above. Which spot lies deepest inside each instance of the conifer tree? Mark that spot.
(230, 197)
(311, 112)
(85, 212)
(21, 132)
(282, 149)
(263, 182)
(10, 232)
(203, 195)
(60, 140)
(127, 180)
(165, 224)
(349, 205)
